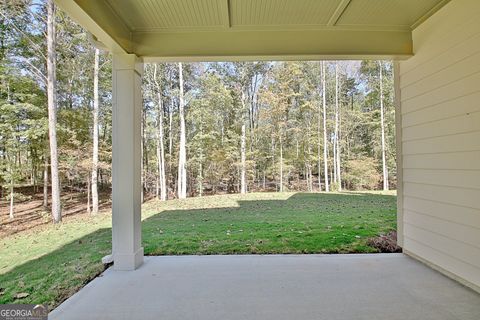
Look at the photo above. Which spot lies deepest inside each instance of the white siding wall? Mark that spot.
(440, 107)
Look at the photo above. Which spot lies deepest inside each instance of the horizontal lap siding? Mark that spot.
(469, 179)
(448, 143)
(440, 103)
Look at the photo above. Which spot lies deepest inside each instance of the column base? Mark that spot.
(128, 262)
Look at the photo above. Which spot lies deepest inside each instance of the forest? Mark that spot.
(207, 128)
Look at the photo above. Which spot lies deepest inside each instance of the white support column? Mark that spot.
(398, 142)
(126, 185)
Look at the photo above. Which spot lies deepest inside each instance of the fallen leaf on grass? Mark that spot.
(21, 295)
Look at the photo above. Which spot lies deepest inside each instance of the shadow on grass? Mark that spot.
(54, 277)
(303, 223)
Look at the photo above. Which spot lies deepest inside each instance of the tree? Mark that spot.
(336, 142)
(210, 159)
(248, 126)
(325, 141)
(182, 158)
(280, 97)
(243, 149)
(21, 46)
(52, 111)
(377, 78)
(160, 139)
(22, 129)
(319, 138)
(382, 125)
(95, 134)
(11, 128)
(45, 180)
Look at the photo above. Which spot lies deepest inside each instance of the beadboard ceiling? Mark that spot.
(183, 15)
(206, 22)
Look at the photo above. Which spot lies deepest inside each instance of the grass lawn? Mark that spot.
(50, 264)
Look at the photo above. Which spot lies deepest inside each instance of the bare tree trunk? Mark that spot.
(160, 142)
(11, 200)
(33, 173)
(382, 120)
(170, 143)
(182, 158)
(144, 156)
(200, 169)
(95, 135)
(243, 171)
(335, 129)
(45, 181)
(319, 146)
(243, 182)
(339, 174)
(331, 169)
(310, 185)
(325, 141)
(170, 133)
(309, 167)
(334, 158)
(273, 161)
(336, 142)
(200, 178)
(339, 154)
(52, 111)
(89, 210)
(281, 164)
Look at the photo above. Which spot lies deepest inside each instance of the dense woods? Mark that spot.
(222, 127)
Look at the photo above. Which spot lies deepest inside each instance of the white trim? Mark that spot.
(126, 162)
(128, 262)
(87, 22)
(430, 13)
(399, 152)
(150, 59)
(342, 6)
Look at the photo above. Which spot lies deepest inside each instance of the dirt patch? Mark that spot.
(386, 243)
(31, 214)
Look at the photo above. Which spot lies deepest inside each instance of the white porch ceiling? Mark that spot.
(254, 29)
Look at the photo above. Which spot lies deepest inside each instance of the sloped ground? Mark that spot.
(29, 212)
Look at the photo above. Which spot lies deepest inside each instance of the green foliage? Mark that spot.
(361, 174)
(18, 197)
(278, 102)
(22, 125)
(281, 104)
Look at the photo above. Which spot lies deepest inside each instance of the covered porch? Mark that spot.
(436, 48)
(277, 287)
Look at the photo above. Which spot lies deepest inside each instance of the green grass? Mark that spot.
(53, 263)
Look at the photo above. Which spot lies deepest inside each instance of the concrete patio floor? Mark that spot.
(375, 286)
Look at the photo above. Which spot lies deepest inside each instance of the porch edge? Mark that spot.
(443, 271)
